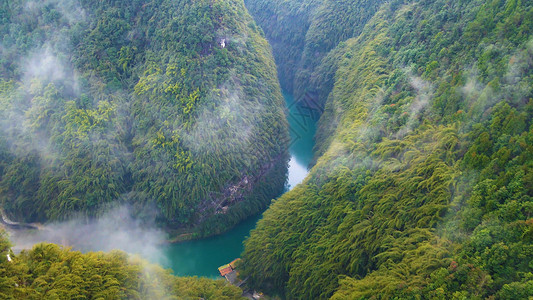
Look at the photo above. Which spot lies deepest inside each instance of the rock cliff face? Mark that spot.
(161, 104)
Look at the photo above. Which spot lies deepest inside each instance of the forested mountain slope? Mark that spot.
(50, 272)
(303, 32)
(425, 182)
(172, 105)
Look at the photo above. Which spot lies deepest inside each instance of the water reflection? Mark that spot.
(302, 116)
(203, 257)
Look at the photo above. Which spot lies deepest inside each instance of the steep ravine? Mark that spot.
(202, 257)
(424, 185)
(421, 184)
(166, 106)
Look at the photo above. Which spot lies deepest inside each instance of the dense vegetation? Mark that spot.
(424, 187)
(172, 105)
(50, 272)
(303, 32)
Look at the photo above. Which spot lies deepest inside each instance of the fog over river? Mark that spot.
(118, 230)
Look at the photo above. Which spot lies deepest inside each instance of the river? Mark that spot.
(203, 257)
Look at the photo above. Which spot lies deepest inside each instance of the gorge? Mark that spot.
(203, 257)
(416, 117)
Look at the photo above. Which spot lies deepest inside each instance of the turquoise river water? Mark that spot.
(203, 257)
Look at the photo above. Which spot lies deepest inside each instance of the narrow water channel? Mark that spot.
(203, 257)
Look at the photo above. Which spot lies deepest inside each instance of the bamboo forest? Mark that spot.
(266, 149)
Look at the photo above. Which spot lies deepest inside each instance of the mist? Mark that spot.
(45, 80)
(71, 10)
(211, 122)
(117, 229)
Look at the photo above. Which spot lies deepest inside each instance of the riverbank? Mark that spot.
(202, 257)
(187, 253)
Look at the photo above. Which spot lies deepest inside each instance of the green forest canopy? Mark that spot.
(303, 32)
(50, 272)
(424, 183)
(165, 104)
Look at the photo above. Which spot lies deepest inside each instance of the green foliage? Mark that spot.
(50, 272)
(303, 32)
(423, 186)
(113, 101)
